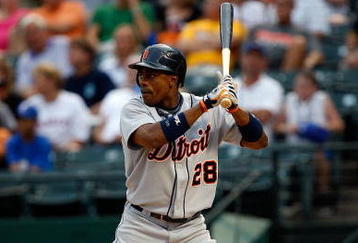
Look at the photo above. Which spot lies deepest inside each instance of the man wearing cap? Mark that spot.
(257, 92)
(26, 151)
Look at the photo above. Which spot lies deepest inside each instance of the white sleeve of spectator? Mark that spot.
(23, 76)
(273, 99)
(81, 125)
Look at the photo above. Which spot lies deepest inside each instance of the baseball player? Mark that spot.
(170, 143)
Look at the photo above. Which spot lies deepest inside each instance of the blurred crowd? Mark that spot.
(64, 77)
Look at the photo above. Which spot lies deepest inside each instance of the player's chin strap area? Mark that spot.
(165, 218)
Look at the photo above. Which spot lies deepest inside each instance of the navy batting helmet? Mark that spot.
(163, 58)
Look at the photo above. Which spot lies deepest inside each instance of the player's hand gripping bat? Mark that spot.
(226, 16)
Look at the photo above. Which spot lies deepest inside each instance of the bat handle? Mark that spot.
(225, 102)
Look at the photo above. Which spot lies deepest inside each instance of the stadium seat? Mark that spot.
(200, 84)
(345, 97)
(12, 200)
(91, 158)
(235, 163)
(285, 78)
(326, 78)
(109, 197)
(56, 199)
(349, 77)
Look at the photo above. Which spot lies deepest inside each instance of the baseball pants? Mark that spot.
(139, 228)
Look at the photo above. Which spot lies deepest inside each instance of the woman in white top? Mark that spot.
(309, 115)
(63, 116)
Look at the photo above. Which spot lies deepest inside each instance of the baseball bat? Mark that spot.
(226, 16)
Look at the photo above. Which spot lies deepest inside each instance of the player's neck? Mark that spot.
(172, 103)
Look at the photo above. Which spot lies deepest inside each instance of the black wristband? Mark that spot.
(252, 131)
(174, 126)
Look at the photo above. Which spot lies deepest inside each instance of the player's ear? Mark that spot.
(173, 81)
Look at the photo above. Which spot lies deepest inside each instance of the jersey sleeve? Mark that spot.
(228, 130)
(134, 115)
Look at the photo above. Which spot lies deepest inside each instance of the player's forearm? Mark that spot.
(155, 135)
(253, 135)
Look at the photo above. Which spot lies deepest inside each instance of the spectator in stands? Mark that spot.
(26, 151)
(7, 120)
(200, 39)
(7, 126)
(7, 95)
(10, 15)
(126, 46)
(40, 48)
(253, 13)
(257, 92)
(4, 137)
(311, 16)
(173, 16)
(338, 12)
(63, 117)
(108, 16)
(350, 51)
(309, 115)
(63, 17)
(92, 85)
(108, 132)
(287, 47)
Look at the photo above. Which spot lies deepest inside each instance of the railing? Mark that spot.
(88, 179)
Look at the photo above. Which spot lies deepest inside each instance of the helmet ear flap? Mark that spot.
(137, 79)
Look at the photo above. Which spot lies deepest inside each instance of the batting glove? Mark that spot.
(231, 86)
(213, 98)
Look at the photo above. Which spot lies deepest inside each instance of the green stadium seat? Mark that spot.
(200, 84)
(326, 78)
(56, 199)
(235, 163)
(330, 52)
(91, 158)
(331, 45)
(345, 97)
(12, 199)
(349, 77)
(109, 197)
(285, 78)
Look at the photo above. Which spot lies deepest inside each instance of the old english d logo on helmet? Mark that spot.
(163, 58)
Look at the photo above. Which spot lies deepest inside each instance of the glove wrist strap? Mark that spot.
(203, 106)
(233, 109)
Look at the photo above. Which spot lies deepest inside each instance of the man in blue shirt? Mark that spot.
(26, 151)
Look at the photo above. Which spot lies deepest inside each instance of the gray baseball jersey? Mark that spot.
(179, 179)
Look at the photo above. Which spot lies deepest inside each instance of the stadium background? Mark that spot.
(82, 198)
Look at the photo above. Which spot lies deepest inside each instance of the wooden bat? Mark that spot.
(226, 16)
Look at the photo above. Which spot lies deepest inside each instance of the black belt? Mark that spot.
(166, 217)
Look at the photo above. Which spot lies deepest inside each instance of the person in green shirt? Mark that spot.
(108, 17)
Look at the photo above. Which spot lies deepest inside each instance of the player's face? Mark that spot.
(155, 86)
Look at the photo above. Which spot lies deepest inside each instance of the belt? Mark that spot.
(165, 217)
